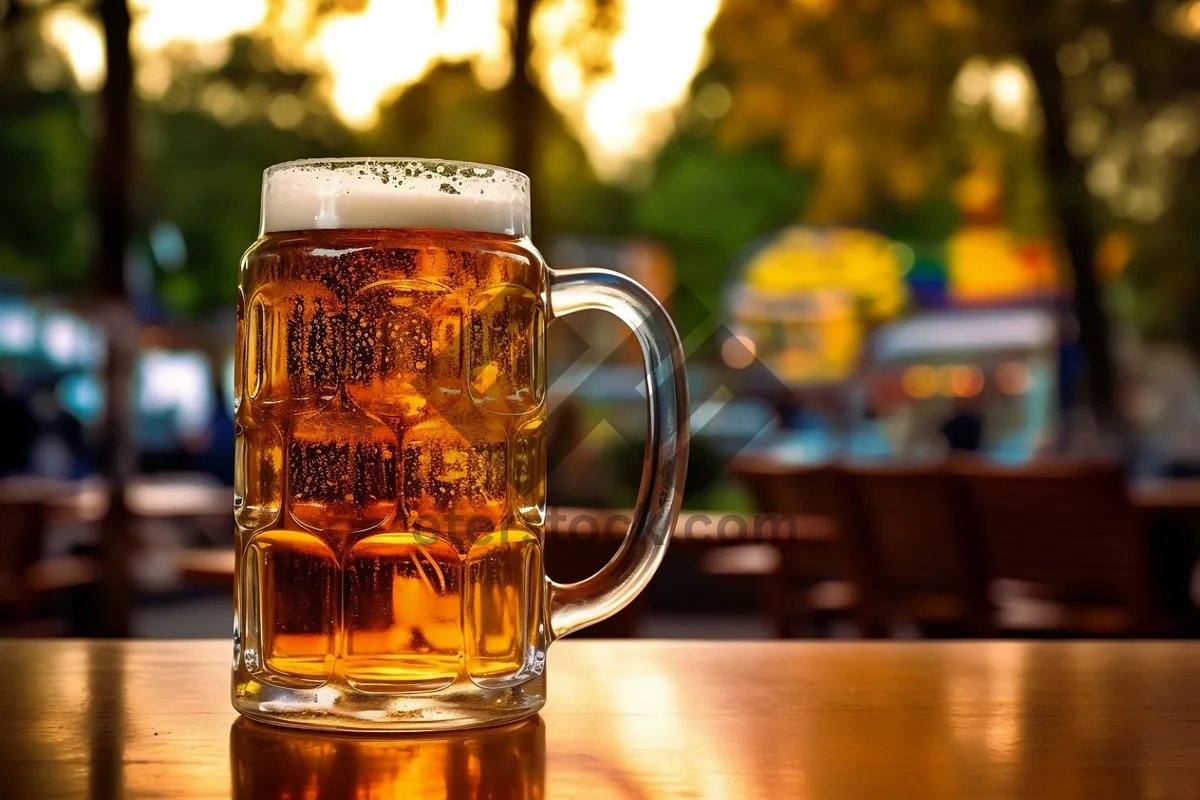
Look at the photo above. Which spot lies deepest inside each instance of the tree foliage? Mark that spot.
(203, 143)
(45, 157)
(707, 203)
(842, 111)
(203, 149)
(855, 90)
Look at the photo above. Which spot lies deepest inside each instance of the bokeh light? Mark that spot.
(626, 114)
(1012, 378)
(738, 351)
(920, 381)
(963, 380)
(370, 56)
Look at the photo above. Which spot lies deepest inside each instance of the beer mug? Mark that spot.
(390, 491)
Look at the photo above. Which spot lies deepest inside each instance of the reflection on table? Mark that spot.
(270, 763)
(638, 719)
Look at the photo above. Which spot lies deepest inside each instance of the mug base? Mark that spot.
(341, 707)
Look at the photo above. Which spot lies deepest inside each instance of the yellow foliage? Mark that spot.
(852, 88)
(859, 263)
(986, 264)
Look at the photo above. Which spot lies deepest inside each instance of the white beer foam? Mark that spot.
(394, 193)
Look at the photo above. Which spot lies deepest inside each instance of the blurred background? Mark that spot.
(933, 261)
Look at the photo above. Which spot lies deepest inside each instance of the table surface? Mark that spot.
(1181, 495)
(87, 501)
(638, 719)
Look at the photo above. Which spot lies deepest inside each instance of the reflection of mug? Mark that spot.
(506, 763)
(391, 458)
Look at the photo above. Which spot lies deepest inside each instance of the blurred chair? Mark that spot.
(1065, 549)
(574, 553)
(921, 559)
(27, 580)
(816, 582)
(22, 522)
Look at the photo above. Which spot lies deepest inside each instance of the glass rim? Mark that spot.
(394, 192)
(341, 162)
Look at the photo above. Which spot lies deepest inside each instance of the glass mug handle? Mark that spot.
(577, 605)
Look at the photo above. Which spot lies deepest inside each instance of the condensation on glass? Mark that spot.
(391, 435)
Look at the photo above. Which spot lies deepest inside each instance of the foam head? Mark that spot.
(394, 193)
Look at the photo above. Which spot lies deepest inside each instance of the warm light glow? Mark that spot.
(371, 55)
(962, 381)
(973, 82)
(1187, 19)
(920, 381)
(1011, 96)
(1012, 377)
(626, 115)
(79, 39)
(738, 351)
(647, 691)
(1009, 86)
(157, 23)
(351, 48)
(1006, 87)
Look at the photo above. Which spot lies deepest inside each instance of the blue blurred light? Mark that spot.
(68, 340)
(230, 382)
(81, 394)
(176, 384)
(168, 246)
(18, 329)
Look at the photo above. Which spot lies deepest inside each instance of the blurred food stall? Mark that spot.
(1001, 364)
(869, 347)
(804, 303)
(800, 310)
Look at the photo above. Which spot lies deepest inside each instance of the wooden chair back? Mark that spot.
(782, 488)
(1067, 528)
(824, 490)
(920, 545)
(22, 525)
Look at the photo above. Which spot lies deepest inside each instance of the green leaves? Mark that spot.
(708, 202)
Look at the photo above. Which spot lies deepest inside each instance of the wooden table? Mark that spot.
(1176, 495)
(641, 719)
(87, 501)
(149, 501)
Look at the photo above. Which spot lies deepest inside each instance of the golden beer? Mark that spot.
(390, 476)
